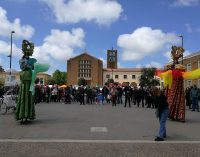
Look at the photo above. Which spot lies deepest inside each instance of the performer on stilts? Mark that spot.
(25, 109)
(173, 78)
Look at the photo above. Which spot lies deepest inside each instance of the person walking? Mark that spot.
(127, 91)
(162, 113)
(187, 97)
(194, 94)
(113, 91)
(81, 92)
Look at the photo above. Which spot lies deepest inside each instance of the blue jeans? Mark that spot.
(195, 104)
(162, 121)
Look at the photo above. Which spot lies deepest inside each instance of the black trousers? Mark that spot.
(82, 102)
(114, 100)
(127, 98)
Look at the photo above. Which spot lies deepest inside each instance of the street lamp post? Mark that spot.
(112, 73)
(181, 36)
(11, 51)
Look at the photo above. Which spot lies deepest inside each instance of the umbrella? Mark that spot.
(63, 86)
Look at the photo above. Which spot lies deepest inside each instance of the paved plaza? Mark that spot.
(97, 130)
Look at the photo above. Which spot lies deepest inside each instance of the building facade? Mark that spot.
(121, 75)
(192, 62)
(14, 78)
(84, 66)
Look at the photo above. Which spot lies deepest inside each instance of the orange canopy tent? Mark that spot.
(63, 86)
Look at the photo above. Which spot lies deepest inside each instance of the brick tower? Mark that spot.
(112, 59)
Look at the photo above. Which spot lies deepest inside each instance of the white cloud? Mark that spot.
(21, 31)
(60, 45)
(104, 62)
(103, 12)
(168, 55)
(119, 65)
(138, 66)
(57, 47)
(0, 61)
(144, 42)
(5, 49)
(185, 3)
(189, 28)
(154, 64)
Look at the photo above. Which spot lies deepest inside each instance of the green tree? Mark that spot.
(82, 81)
(58, 77)
(110, 81)
(2, 82)
(147, 78)
(51, 81)
(125, 83)
(1, 69)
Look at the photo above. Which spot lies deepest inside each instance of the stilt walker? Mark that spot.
(173, 78)
(25, 109)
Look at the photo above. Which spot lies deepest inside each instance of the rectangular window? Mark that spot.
(125, 76)
(116, 76)
(198, 64)
(12, 78)
(84, 68)
(133, 76)
(108, 76)
(189, 67)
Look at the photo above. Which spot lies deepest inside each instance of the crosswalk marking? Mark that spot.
(98, 129)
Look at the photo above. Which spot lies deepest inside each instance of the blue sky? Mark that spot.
(142, 31)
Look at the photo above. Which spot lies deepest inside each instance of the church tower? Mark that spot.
(112, 59)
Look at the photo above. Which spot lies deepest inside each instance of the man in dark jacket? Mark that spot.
(81, 92)
(127, 92)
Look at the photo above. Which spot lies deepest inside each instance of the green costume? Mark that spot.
(25, 105)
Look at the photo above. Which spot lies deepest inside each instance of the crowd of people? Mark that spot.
(112, 94)
(96, 95)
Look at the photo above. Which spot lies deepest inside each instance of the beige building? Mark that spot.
(121, 75)
(84, 66)
(15, 77)
(192, 62)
